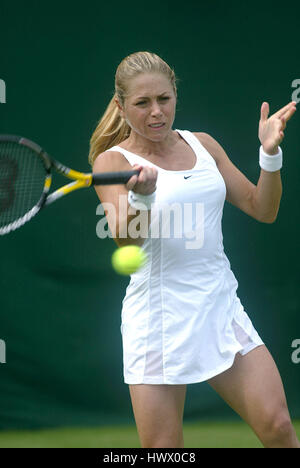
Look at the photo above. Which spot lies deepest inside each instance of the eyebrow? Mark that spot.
(146, 97)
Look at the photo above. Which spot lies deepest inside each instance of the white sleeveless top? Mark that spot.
(182, 321)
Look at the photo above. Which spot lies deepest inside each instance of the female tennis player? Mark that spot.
(182, 321)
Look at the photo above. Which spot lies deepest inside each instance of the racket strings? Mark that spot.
(22, 178)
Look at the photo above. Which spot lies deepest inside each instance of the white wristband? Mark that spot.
(141, 202)
(270, 162)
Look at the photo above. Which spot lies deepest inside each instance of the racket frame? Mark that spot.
(80, 180)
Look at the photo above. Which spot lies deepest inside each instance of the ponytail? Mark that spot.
(111, 130)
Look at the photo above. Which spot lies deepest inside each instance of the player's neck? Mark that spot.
(140, 145)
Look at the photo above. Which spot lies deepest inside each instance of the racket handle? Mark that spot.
(109, 178)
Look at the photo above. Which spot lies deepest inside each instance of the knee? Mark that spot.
(278, 430)
(282, 425)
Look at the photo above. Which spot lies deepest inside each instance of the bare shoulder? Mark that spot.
(110, 161)
(211, 145)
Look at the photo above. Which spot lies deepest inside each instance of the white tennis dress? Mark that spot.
(182, 321)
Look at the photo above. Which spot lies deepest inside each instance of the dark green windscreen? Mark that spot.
(60, 299)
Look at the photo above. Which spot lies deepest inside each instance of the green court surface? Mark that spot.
(196, 435)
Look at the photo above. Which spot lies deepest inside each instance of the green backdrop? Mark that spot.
(60, 300)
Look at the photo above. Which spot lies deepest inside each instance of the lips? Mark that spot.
(156, 125)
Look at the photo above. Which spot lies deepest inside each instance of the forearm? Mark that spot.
(267, 196)
(132, 229)
(134, 223)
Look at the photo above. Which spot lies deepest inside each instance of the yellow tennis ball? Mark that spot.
(126, 260)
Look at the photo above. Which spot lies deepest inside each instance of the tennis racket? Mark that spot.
(26, 177)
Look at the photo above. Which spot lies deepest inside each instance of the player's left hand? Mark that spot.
(270, 131)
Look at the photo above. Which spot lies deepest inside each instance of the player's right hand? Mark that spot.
(145, 182)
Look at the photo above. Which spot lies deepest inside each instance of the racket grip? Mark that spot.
(110, 178)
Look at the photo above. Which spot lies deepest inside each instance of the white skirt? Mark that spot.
(142, 365)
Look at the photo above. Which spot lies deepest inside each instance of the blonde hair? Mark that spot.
(112, 129)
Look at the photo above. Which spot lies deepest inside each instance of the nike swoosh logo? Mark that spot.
(187, 177)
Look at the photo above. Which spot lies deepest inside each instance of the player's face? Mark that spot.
(150, 105)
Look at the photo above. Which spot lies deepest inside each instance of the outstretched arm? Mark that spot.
(268, 191)
(260, 201)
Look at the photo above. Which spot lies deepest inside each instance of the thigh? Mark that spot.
(253, 388)
(158, 412)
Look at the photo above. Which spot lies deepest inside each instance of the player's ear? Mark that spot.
(120, 108)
